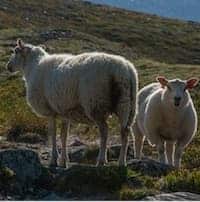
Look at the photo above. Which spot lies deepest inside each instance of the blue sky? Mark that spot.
(181, 9)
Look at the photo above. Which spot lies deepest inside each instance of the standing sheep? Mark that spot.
(166, 117)
(86, 88)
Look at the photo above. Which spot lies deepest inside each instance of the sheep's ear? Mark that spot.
(20, 43)
(192, 82)
(162, 80)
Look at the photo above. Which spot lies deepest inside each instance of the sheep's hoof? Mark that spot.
(63, 164)
(101, 163)
(53, 164)
(122, 163)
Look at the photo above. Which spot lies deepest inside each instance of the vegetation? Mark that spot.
(156, 46)
(87, 179)
(183, 180)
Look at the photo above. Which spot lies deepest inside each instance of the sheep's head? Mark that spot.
(23, 54)
(176, 91)
(17, 59)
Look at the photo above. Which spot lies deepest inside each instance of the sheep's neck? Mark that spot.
(30, 65)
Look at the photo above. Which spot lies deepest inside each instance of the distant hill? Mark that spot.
(77, 26)
(181, 9)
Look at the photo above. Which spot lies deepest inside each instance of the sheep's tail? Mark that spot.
(133, 96)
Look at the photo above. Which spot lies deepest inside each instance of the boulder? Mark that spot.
(24, 163)
(176, 196)
(149, 167)
(88, 179)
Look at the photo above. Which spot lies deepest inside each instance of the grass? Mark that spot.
(128, 194)
(183, 180)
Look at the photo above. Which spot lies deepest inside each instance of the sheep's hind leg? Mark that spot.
(138, 142)
(124, 147)
(52, 139)
(102, 156)
(123, 114)
(64, 152)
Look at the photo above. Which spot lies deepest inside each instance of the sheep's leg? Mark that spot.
(64, 134)
(123, 111)
(124, 147)
(178, 154)
(161, 151)
(102, 156)
(170, 152)
(138, 142)
(52, 138)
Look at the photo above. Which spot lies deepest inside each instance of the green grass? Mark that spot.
(128, 194)
(182, 180)
(131, 34)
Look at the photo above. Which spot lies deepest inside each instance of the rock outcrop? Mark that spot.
(176, 196)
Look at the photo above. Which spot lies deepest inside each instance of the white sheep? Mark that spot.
(167, 117)
(86, 88)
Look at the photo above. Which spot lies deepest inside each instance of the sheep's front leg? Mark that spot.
(161, 151)
(52, 139)
(102, 156)
(178, 154)
(170, 152)
(64, 134)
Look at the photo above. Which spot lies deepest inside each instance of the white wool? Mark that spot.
(159, 121)
(62, 84)
(85, 88)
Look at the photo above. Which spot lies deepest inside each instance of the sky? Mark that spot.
(180, 9)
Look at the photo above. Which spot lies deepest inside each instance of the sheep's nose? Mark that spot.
(177, 100)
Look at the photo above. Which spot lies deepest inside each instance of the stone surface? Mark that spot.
(176, 196)
(25, 164)
(149, 167)
(52, 196)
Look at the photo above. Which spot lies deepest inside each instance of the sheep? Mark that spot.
(84, 88)
(166, 117)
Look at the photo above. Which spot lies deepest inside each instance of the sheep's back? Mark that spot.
(86, 79)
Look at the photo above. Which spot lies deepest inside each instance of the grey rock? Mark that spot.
(149, 167)
(25, 164)
(78, 154)
(85, 153)
(176, 196)
(53, 197)
(31, 138)
(55, 34)
(114, 151)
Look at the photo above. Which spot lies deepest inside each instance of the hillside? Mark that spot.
(157, 46)
(82, 24)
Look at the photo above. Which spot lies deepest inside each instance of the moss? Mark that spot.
(191, 158)
(46, 180)
(135, 194)
(182, 180)
(87, 179)
(91, 154)
(7, 176)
